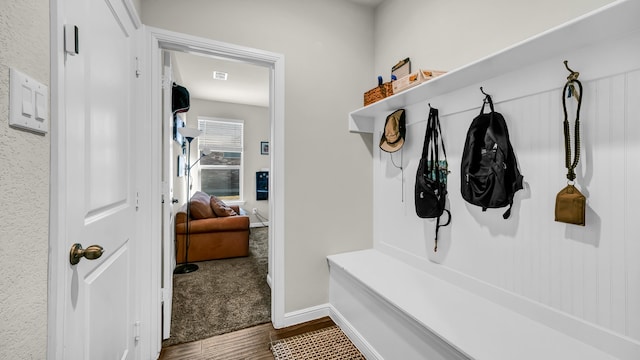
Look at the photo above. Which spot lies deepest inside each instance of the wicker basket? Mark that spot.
(378, 93)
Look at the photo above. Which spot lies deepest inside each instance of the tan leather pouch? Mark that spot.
(570, 206)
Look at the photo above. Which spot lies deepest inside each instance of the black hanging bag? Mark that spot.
(180, 99)
(431, 177)
(489, 170)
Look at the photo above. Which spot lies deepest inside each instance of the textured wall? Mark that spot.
(24, 185)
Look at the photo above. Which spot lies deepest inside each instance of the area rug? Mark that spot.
(223, 295)
(327, 344)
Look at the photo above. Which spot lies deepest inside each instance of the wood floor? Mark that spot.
(252, 343)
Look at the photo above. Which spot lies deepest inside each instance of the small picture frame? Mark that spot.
(178, 123)
(181, 165)
(264, 147)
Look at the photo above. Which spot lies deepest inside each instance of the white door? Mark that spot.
(168, 163)
(99, 181)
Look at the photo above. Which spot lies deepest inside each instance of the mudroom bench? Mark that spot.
(527, 288)
(392, 310)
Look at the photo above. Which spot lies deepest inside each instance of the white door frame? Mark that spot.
(57, 208)
(157, 40)
(168, 215)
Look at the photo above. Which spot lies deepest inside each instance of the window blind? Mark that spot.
(220, 136)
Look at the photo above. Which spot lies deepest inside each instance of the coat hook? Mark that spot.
(573, 77)
(487, 97)
(574, 74)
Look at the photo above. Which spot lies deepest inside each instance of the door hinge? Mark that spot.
(136, 331)
(137, 201)
(164, 191)
(138, 72)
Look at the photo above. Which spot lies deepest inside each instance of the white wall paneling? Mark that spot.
(583, 281)
(586, 273)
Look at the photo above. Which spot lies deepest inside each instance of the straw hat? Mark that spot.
(394, 131)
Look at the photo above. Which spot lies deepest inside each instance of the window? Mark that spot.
(221, 171)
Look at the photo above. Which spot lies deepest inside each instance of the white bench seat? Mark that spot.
(472, 326)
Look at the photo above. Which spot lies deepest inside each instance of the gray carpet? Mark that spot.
(223, 295)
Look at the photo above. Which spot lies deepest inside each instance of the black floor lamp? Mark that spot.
(189, 134)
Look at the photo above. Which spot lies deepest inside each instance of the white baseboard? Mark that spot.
(320, 311)
(365, 348)
(259, 224)
(304, 315)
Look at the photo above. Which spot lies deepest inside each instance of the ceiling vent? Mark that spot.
(219, 75)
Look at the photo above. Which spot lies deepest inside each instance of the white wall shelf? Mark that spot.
(609, 22)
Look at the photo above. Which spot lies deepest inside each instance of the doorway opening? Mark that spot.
(229, 291)
(162, 41)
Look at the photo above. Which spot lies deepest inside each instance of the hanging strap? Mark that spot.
(430, 148)
(427, 137)
(430, 151)
(487, 100)
(570, 90)
(436, 120)
(434, 156)
(438, 226)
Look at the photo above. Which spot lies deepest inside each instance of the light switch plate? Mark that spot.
(28, 103)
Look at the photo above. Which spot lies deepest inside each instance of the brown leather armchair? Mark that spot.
(211, 236)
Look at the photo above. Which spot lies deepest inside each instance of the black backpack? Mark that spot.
(431, 177)
(489, 169)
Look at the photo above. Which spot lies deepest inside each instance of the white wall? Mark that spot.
(444, 35)
(328, 51)
(24, 184)
(256, 129)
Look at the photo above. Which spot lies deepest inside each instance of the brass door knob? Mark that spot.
(91, 253)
